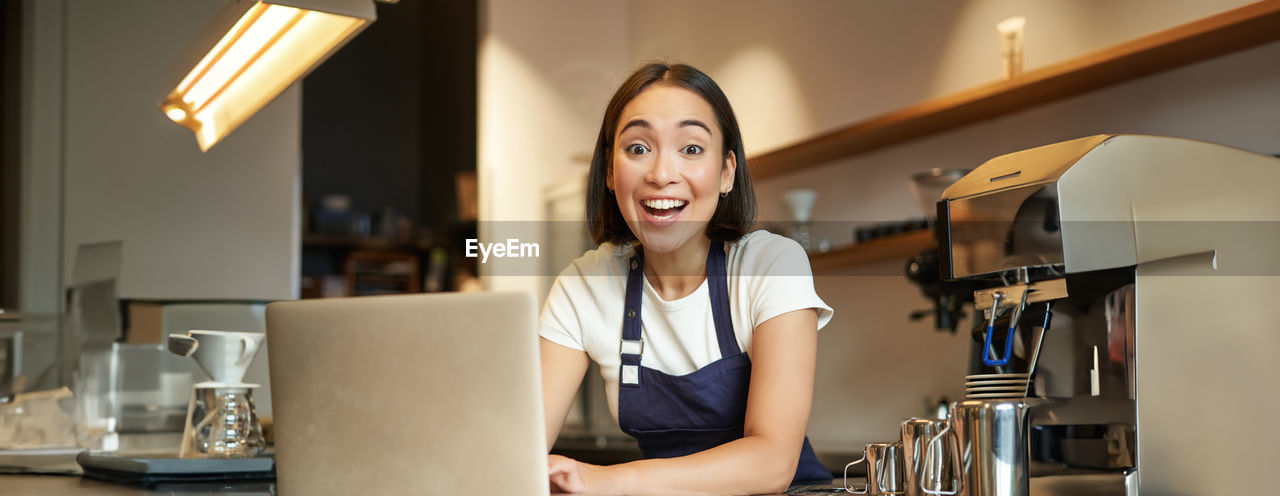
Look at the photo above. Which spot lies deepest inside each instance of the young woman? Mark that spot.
(706, 335)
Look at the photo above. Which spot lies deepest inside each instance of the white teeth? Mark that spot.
(664, 204)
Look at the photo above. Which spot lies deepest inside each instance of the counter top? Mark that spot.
(61, 485)
(616, 451)
(1102, 484)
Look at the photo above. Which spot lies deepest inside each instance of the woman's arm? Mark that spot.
(784, 350)
(562, 371)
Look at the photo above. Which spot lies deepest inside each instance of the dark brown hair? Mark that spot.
(734, 214)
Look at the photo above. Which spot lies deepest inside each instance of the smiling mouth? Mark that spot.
(663, 209)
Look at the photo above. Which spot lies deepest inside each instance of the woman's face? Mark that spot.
(669, 166)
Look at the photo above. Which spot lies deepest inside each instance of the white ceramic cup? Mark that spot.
(224, 355)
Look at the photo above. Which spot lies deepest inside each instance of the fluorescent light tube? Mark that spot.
(261, 48)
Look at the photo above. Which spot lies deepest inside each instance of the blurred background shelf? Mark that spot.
(336, 266)
(1213, 36)
(354, 243)
(901, 246)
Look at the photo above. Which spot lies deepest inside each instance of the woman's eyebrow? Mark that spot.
(634, 123)
(695, 122)
(645, 124)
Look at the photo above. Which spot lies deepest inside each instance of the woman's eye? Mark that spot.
(693, 149)
(637, 149)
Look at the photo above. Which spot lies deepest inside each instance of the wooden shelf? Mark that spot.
(1216, 35)
(889, 247)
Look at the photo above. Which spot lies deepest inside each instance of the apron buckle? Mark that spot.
(631, 347)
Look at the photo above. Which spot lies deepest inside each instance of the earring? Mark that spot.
(725, 194)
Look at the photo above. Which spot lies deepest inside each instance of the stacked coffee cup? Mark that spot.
(996, 386)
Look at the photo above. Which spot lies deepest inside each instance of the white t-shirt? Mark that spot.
(769, 275)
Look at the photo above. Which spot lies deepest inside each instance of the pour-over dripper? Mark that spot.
(800, 203)
(221, 418)
(223, 355)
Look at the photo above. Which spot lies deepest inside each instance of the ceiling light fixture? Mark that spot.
(251, 52)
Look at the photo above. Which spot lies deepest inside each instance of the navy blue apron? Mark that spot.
(675, 416)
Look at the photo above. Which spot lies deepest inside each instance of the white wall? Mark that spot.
(795, 69)
(220, 225)
(804, 66)
(547, 69)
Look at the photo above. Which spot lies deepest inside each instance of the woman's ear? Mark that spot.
(728, 171)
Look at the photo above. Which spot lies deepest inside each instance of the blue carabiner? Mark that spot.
(987, 351)
(1008, 348)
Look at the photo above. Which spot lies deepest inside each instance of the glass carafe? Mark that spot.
(222, 422)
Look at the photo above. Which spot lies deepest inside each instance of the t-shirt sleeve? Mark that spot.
(782, 281)
(559, 322)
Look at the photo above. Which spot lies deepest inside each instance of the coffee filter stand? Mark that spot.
(221, 420)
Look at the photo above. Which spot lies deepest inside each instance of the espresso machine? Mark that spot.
(1137, 277)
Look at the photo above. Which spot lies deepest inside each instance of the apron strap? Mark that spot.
(718, 284)
(632, 346)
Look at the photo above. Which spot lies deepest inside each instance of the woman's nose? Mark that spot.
(663, 171)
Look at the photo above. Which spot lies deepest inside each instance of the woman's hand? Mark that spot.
(571, 476)
(565, 475)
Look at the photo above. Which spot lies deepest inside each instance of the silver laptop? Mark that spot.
(416, 394)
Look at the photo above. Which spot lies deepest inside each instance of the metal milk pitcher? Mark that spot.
(884, 470)
(916, 434)
(988, 449)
